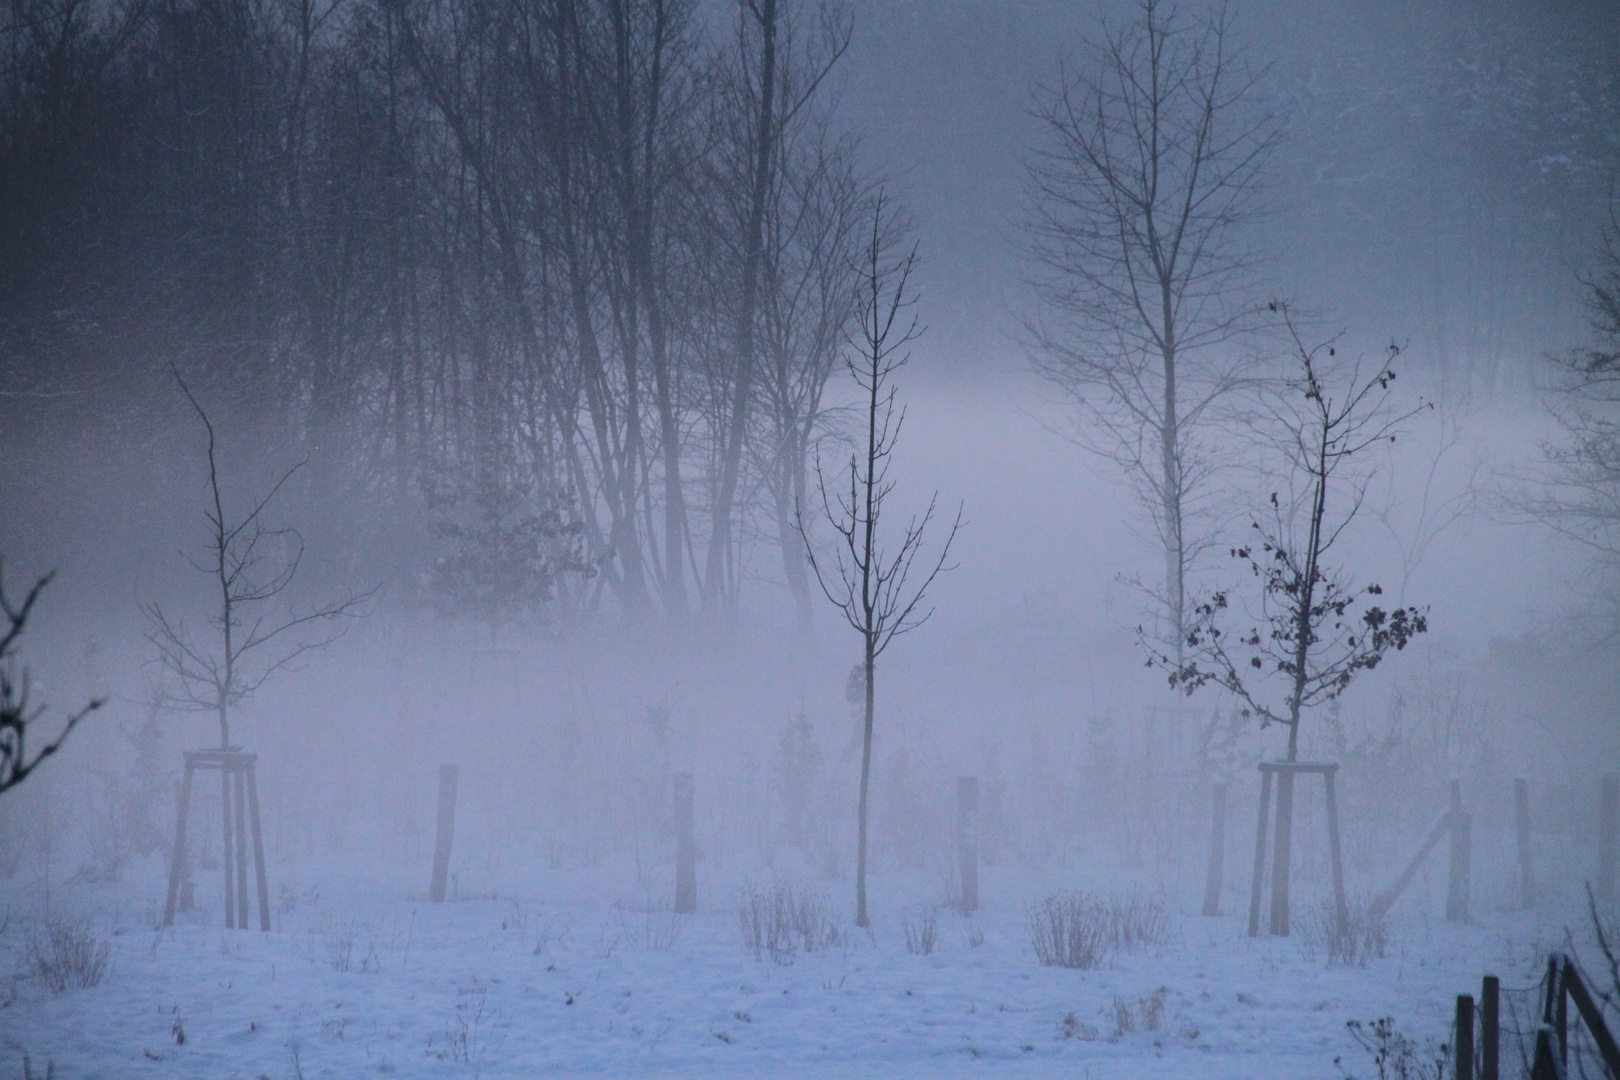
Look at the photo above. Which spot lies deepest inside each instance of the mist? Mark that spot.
(525, 342)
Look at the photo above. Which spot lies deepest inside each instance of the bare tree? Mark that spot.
(14, 715)
(1150, 168)
(1310, 630)
(249, 564)
(871, 585)
(767, 83)
(1576, 492)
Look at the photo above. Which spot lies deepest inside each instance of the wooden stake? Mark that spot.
(1217, 852)
(1464, 1057)
(178, 856)
(1457, 876)
(685, 847)
(1259, 876)
(1384, 901)
(240, 810)
(967, 846)
(1521, 825)
(258, 849)
(1490, 1022)
(230, 864)
(446, 832)
(1341, 908)
(1282, 856)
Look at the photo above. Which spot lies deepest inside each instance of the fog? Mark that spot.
(181, 222)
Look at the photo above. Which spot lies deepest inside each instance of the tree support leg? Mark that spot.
(178, 856)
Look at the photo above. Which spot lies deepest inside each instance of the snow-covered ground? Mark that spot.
(584, 973)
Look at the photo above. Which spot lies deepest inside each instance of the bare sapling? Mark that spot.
(879, 590)
(1145, 185)
(252, 635)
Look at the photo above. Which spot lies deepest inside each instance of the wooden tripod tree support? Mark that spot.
(239, 789)
(1282, 857)
(1457, 823)
(967, 840)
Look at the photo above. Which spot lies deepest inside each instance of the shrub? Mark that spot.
(921, 931)
(654, 931)
(781, 921)
(1077, 930)
(1395, 1056)
(1364, 938)
(66, 955)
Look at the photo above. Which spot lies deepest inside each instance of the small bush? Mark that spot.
(1395, 1056)
(1077, 930)
(921, 931)
(654, 931)
(66, 955)
(781, 921)
(342, 951)
(1146, 1013)
(1066, 932)
(1365, 937)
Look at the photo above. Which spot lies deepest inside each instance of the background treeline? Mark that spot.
(548, 291)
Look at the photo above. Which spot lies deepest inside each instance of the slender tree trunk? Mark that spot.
(861, 919)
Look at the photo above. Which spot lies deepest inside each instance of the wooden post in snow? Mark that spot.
(1490, 1033)
(448, 775)
(1464, 1056)
(967, 840)
(1259, 878)
(1217, 851)
(1521, 828)
(1458, 871)
(685, 846)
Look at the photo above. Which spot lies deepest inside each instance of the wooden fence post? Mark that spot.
(967, 840)
(685, 847)
(1606, 837)
(1464, 1056)
(1521, 827)
(1457, 878)
(448, 775)
(1490, 1034)
(1217, 852)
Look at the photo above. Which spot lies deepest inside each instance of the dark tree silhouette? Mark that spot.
(1149, 171)
(249, 564)
(15, 765)
(1576, 492)
(873, 586)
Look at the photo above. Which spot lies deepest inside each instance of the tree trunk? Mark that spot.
(861, 919)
